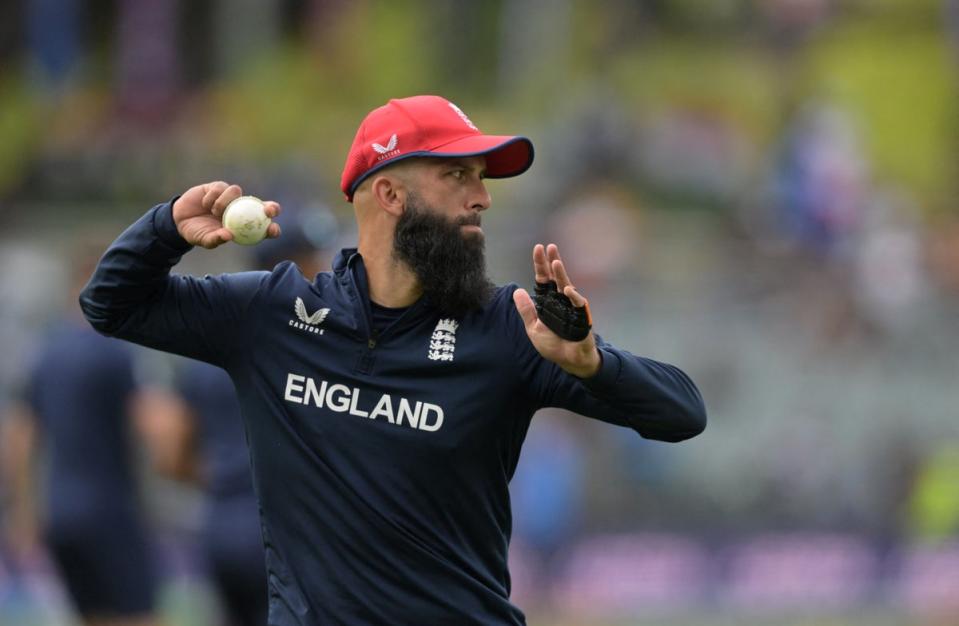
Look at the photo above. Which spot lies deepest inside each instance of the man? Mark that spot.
(385, 402)
(77, 409)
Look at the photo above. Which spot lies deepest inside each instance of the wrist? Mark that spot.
(167, 229)
(591, 367)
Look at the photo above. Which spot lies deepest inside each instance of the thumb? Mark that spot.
(524, 304)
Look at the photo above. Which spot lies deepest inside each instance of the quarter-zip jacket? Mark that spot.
(381, 464)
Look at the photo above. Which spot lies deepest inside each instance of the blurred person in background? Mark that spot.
(822, 180)
(76, 414)
(387, 401)
(197, 435)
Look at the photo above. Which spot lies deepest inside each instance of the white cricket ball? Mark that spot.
(246, 218)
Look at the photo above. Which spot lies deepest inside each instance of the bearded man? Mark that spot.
(386, 401)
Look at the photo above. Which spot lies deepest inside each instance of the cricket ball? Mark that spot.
(246, 218)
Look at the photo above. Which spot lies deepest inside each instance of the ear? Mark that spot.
(390, 193)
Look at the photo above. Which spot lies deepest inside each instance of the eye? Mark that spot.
(458, 174)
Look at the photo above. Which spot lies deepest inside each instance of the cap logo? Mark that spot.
(388, 150)
(462, 115)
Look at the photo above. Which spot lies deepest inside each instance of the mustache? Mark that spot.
(472, 219)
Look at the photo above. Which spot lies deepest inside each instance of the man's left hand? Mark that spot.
(579, 358)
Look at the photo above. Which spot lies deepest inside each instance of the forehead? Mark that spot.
(469, 162)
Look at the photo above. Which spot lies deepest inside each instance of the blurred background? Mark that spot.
(763, 192)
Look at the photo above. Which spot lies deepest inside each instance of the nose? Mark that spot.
(480, 199)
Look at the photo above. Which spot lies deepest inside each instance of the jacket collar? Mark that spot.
(344, 258)
(351, 274)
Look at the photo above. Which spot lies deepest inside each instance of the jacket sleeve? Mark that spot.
(657, 400)
(132, 295)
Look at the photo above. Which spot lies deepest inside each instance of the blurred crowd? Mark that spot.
(760, 191)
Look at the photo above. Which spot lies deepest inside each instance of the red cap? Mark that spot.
(428, 126)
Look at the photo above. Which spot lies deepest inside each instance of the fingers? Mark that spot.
(525, 307)
(552, 253)
(228, 195)
(577, 299)
(212, 191)
(548, 265)
(218, 195)
(214, 238)
(560, 276)
(579, 302)
(557, 268)
(541, 265)
(272, 208)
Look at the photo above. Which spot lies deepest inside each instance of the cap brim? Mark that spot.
(506, 155)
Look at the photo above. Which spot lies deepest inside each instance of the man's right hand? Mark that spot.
(199, 211)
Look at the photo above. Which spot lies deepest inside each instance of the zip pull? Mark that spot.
(364, 365)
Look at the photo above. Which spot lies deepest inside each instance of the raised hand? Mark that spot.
(198, 213)
(580, 358)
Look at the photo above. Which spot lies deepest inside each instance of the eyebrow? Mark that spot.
(461, 162)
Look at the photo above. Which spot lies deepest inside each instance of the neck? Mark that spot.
(391, 283)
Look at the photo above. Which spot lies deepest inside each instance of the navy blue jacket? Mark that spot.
(381, 464)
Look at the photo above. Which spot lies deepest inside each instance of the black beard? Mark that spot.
(450, 266)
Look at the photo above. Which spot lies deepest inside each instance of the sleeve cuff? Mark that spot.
(166, 228)
(605, 379)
